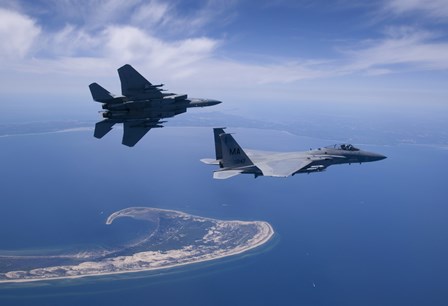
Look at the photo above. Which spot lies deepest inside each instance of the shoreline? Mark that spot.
(266, 233)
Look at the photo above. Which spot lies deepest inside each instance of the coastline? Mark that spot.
(264, 234)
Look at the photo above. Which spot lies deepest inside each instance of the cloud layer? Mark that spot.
(172, 43)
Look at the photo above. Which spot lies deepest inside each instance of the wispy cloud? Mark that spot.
(130, 44)
(155, 16)
(152, 13)
(17, 34)
(430, 8)
(404, 49)
(136, 32)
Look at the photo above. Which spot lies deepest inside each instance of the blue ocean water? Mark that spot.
(371, 234)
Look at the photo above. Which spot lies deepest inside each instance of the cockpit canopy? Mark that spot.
(344, 146)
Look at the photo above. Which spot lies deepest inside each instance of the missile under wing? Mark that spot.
(141, 106)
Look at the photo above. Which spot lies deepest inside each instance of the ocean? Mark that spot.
(370, 234)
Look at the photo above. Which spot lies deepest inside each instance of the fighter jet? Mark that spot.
(141, 106)
(233, 160)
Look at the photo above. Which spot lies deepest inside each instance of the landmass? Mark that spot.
(174, 238)
(335, 125)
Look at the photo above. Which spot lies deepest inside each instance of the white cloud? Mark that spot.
(80, 52)
(405, 50)
(71, 41)
(152, 13)
(130, 44)
(432, 8)
(17, 34)
(165, 17)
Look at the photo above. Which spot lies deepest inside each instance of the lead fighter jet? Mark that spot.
(141, 107)
(233, 160)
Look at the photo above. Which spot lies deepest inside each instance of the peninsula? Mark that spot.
(174, 238)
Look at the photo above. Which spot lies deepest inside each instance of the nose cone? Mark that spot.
(381, 157)
(375, 156)
(203, 102)
(212, 102)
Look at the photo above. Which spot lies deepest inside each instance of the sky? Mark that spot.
(391, 53)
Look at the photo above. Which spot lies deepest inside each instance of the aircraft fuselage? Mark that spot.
(156, 108)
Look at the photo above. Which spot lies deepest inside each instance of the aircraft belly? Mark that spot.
(141, 106)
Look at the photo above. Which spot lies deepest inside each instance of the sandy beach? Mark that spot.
(149, 260)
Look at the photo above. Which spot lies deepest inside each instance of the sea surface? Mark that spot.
(370, 234)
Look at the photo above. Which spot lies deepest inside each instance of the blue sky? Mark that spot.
(391, 52)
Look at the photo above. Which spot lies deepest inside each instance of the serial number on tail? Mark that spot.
(239, 160)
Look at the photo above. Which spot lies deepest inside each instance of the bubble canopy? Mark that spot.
(343, 146)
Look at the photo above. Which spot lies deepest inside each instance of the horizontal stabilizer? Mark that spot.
(210, 161)
(222, 175)
(102, 128)
(99, 94)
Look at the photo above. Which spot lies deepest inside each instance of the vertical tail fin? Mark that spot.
(232, 154)
(133, 84)
(131, 80)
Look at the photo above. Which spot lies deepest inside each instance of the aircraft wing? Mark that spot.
(133, 84)
(135, 130)
(284, 167)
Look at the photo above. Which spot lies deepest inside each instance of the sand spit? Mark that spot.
(181, 238)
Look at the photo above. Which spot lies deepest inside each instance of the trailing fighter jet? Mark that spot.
(141, 106)
(233, 160)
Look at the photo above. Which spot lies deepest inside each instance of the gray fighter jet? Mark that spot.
(233, 160)
(141, 107)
